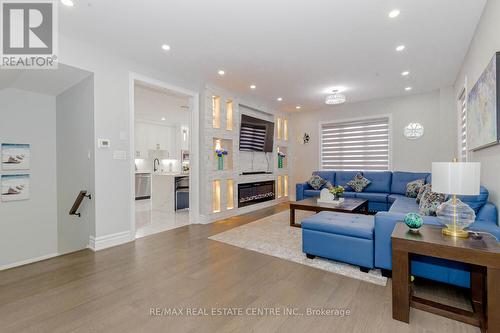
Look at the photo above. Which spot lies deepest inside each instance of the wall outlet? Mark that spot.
(103, 143)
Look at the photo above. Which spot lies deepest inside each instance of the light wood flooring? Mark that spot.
(113, 290)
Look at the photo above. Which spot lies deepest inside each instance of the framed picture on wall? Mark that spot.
(15, 187)
(483, 110)
(16, 156)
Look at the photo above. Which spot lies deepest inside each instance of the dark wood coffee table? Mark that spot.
(482, 256)
(350, 205)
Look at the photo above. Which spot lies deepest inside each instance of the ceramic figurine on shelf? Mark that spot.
(281, 157)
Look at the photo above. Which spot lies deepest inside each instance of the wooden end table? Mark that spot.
(350, 205)
(483, 256)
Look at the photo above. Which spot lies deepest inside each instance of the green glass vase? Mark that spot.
(220, 163)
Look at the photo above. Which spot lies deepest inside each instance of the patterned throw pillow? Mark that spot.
(316, 182)
(413, 187)
(422, 191)
(430, 201)
(359, 183)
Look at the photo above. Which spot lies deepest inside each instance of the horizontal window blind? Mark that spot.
(356, 145)
(462, 106)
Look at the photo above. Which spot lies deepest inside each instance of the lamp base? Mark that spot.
(455, 232)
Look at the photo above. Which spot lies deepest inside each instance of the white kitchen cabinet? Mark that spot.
(170, 138)
(141, 140)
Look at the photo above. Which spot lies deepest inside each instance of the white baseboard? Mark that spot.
(104, 242)
(28, 261)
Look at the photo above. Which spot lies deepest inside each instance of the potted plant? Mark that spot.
(220, 152)
(337, 192)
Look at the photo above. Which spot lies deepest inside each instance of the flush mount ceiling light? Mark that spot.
(68, 3)
(405, 73)
(335, 98)
(394, 13)
(253, 86)
(221, 72)
(400, 48)
(279, 99)
(165, 47)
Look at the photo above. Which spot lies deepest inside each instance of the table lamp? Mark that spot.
(456, 178)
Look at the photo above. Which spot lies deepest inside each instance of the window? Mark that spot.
(356, 145)
(462, 109)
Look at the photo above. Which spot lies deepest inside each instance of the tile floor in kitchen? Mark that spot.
(150, 221)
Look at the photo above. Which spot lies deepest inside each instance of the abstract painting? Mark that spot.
(15, 156)
(483, 109)
(15, 187)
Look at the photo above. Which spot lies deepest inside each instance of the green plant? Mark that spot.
(337, 190)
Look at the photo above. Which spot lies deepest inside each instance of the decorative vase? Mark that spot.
(413, 221)
(280, 162)
(220, 163)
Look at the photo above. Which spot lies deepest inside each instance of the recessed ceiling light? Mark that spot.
(394, 13)
(253, 86)
(298, 107)
(163, 118)
(165, 47)
(400, 48)
(405, 73)
(279, 99)
(221, 72)
(335, 98)
(68, 3)
(408, 88)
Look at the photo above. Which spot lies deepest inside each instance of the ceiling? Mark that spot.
(293, 49)
(160, 105)
(47, 82)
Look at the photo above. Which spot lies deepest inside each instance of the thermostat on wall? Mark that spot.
(103, 143)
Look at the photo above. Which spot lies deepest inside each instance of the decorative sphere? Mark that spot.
(413, 221)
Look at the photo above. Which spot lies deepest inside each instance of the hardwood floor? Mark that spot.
(114, 290)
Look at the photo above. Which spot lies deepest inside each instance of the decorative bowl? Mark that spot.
(413, 221)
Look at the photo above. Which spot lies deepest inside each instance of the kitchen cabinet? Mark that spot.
(151, 136)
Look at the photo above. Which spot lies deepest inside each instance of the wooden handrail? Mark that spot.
(78, 202)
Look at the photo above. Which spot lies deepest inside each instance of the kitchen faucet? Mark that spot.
(155, 167)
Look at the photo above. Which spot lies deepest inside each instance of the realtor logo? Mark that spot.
(29, 34)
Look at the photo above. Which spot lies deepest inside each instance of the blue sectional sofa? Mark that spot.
(386, 197)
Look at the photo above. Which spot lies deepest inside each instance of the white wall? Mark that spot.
(485, 43)
(75, 171)
(114, 188)
(29, 228)
(435, 111)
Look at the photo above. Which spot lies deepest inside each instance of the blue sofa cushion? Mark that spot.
(342, 177)
(488, 213)
(329, 176)
(349, 195)
(404, 205)
(380, 181)
(311, 193)
(400, 179)
(476, 201)
(428, 180)
(352, 225)
(373, 197)
(394, 197)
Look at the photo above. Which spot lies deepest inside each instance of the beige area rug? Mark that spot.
(274, 236)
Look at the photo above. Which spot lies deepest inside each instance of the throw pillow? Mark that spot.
(316, 182)
(413, 187)
(430, 201)
(359, 183)
(422, 191)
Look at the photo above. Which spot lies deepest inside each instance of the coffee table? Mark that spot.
(350, 205)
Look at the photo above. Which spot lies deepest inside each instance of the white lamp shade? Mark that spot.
(460, 178)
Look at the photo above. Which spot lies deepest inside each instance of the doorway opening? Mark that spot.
(163, 121)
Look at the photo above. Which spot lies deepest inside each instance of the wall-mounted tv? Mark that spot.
(256, 134)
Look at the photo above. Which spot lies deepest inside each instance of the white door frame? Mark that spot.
(194, 145)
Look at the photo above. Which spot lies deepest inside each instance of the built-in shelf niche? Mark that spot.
(229, 115)
(216, 196)
(280, 186)
(285, 129)
(230, 194)
(285, 185)
(279, 124)
(227, 145)
(283, 150)
(216, 111)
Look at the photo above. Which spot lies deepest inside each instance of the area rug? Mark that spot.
(274, 236)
